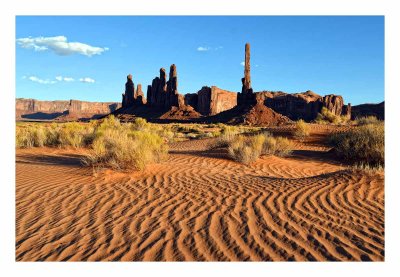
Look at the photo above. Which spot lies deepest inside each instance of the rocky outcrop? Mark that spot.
(210, 101)
(71, 109)
(377, 110)
(132, 97)
(163, 94)
(304, 105)
(246, 97)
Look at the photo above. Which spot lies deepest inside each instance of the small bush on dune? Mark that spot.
(246, 149)
(302, 130)
(278, 146)
(364, 144)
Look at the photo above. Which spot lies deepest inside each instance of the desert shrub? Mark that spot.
(302, 130)
(367, 120)
(30, 136)
(278, 146)
(227, 135)
(72, 134)
(246, 149)
(125, 149)
(364, 144)
(140, 124)
(326, 117)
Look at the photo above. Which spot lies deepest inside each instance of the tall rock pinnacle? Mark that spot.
(247, 80)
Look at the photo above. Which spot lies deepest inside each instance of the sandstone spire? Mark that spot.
(247, 80)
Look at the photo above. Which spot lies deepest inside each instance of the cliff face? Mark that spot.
(70, 109)
(304, 105)
(210, 101)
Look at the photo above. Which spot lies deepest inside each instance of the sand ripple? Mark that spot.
(197, 207)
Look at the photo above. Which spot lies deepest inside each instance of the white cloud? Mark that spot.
(60, 46)
(218, 48)
(41, 81)
(242, 63)
(203, 48)
(86, 80)
(68, 79)
(59, 78)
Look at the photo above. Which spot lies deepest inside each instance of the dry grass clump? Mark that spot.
(226, 136)
(327, 117)
(30, 136)
(126, 146)
(278, 146)
(367, 120)
(302, 130)
(364, 144)
(126, 149)
(247, 149)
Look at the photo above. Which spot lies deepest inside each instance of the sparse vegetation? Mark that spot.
(361, 145)
(247, 149)
(302, 130)
(278, 146)
(126, 149)
(367, 120)
(327, 117)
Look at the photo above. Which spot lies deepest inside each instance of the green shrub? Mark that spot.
(302, 130)
(364, 144)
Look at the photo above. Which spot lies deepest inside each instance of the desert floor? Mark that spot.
(198, 206)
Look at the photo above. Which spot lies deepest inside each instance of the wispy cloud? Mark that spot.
(207, 48)
(86, 80)
(40, 81)
(203, 48)
(65, 79)
(60, 46)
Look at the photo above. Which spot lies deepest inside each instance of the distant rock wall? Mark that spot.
(377, 110)
(304, 105)
(37, 109)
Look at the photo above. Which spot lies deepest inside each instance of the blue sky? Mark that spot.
(88, 58)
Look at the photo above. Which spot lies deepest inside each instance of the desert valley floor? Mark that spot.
(198, 206)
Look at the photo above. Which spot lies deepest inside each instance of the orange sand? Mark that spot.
(198, 206)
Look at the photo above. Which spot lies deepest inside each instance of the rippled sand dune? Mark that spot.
(198, 206)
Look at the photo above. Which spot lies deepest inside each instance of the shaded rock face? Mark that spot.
(132, 97)
(163, 94)
(377, 110)
(246, 97)
(210, 101)
(304, 105)
(45, 110)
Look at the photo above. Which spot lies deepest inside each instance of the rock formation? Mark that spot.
(163, 94)
(246, 97)
(62, 110)
(377, 110)
(304, 105)
(210, 101)
(132, 97)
